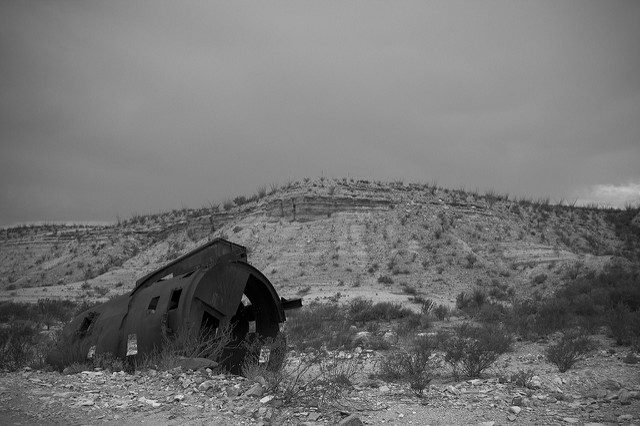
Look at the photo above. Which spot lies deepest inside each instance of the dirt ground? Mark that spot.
(601, 389)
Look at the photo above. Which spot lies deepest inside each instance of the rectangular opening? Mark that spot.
(175, 298)
(86, 323)
(153, 304)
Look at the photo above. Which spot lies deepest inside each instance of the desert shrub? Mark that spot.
(362, 310)
(412, 366)
(385, 279)
(411, 324)
(408, 289)
(624, 324)
(11, 311)
(492, 313)
(571, 348)
(472, 349)
(469, 302)
(539, 279)
(500, 291)
(318, 325)
(442, 312)
(18, 341)
(188, 343)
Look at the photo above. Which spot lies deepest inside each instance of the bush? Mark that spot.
(442, 312)
(571, 348)
(361, 310)
(385, 279)
(18, 342)
(472, 349)
(624, 324)
(413, 366)
(318, 325)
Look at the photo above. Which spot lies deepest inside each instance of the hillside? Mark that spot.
(318, 238)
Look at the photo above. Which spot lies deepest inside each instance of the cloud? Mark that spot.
(610, 195)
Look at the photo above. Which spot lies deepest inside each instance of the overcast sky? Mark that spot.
(116, 107)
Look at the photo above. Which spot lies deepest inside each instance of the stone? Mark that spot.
(390, 337)
(517, 401)
(266, 399)
(206, 385)
(351, 420)
(313, 416)
(362, 337)
(151, 402)
(624, 397)
(475, 382)
(255, 390)
(383, 389)
(486, 423)
(535, 383)
(511, 417)
(261, 380)
(86, 403)
(232, 392)
(515, 409)
(570, 419)
(196, 363)
(625, 418)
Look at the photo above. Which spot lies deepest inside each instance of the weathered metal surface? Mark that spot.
(211, 286)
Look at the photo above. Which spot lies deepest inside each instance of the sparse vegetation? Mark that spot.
(571, 348)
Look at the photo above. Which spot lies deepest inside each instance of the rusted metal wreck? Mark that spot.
(210, 287)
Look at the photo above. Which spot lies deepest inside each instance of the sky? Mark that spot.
(110, 108)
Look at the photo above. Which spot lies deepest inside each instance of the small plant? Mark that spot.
(472, 349)
(385, 279)
(442, 312)
(412, 366)
(17, 344)
(570, 349)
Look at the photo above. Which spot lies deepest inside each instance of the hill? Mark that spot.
(322, 237)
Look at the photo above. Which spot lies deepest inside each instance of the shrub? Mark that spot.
(471, 349)
(188, 343)
(361, 310)
(318, 325)
(442, 312)
(412, 366)
(17, 344)
(385, 279)
(571, 348)
(624, 324)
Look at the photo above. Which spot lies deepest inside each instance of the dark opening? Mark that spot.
(153, 304)
(175, 298)
(86, 323)
(209, 323)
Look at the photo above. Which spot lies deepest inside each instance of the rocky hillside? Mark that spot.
(322, 237)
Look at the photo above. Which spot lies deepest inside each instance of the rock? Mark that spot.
(313, 416)
(362, 337)
(255, 390)
(86, 403)
(625, 418)
(475, 382)
(570, 419)
(593, 424)
(261, 380)
(557, 381)
(486, 423)
(453, 390)
(178, 397)
(624, 397)
(383, 389)
(515, 409)
(390, 337)
(196, 363)
(232, 392)
(266, 399)
(517, 401)
(351, 420)
(511, 417)
(206, 385)
(151, 402)
(536, 382)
